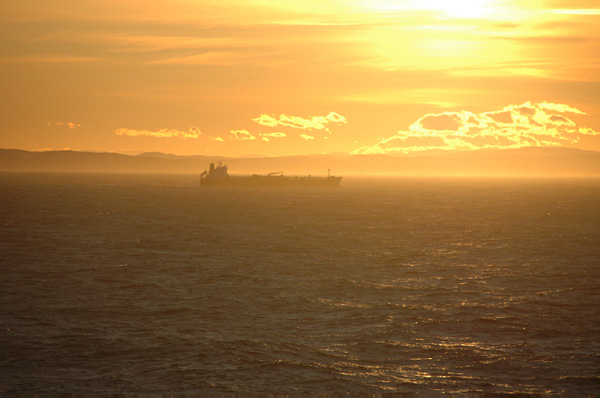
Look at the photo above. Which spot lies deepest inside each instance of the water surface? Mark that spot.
(152, 284)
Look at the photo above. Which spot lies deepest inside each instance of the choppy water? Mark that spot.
(152, 284)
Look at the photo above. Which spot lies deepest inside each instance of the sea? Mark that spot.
(384, 287)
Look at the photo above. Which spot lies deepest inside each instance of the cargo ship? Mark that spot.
(219, 176)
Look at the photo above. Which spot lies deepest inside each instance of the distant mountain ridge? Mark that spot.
(530, 161)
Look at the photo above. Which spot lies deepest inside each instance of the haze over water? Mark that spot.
(152, 284)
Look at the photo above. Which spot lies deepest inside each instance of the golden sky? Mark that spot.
(271, 78)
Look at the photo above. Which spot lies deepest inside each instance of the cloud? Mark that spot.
(46, 59)
(193, 132)
(443, 122)
(243, 135)
(124, 41)
(70, 125)
(307, 137)
(268, 136)
(514, 126)
(582, 11)
(297, 122)
(560, 108)
(222, 58)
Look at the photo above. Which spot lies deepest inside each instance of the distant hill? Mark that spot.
(524, 161)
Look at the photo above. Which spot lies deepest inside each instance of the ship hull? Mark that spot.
(271, 181)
